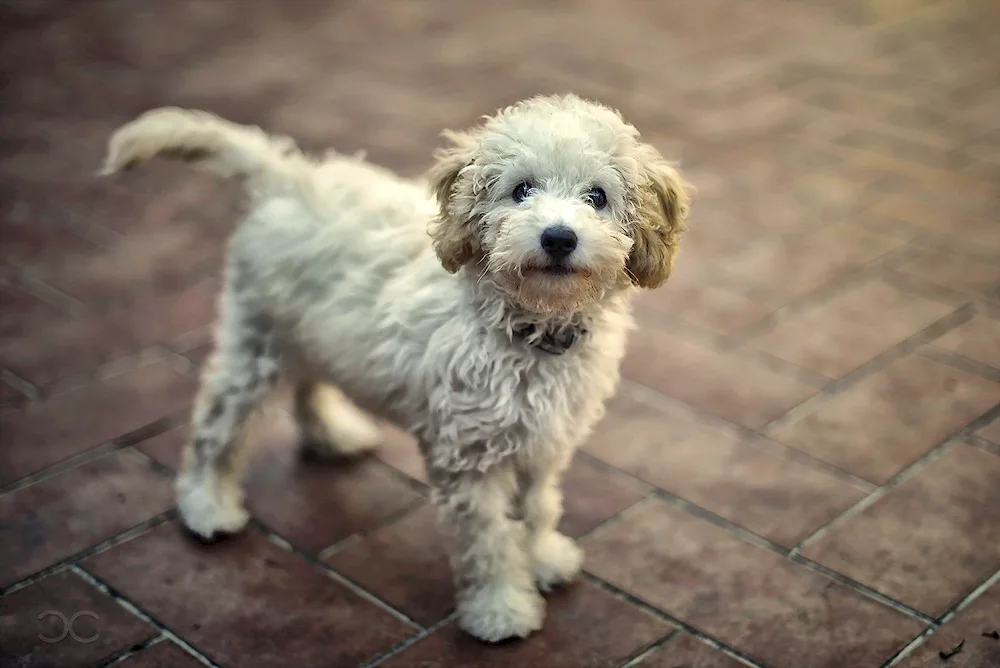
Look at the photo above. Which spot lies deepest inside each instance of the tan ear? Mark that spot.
(662, 199)
(453, 230)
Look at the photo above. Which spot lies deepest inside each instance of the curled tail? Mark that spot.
(269, 165)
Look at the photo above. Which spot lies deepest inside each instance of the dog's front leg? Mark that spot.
(497, 598)
(555, 558)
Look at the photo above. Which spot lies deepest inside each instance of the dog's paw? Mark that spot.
(208, 510)
(557, 559)
(333, 427)
(499, 613)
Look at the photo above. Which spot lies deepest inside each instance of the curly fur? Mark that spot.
(334, 284)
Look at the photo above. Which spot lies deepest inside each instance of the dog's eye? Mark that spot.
(597, 198)
(521, 192)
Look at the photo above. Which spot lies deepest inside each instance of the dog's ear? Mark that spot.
(662, 199)
(453, 230)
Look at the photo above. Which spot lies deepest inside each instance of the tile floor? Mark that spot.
(802, 467)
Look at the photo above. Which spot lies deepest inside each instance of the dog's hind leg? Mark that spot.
(234, 384)
(331, 425)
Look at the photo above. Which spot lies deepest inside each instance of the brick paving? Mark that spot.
(802, 467)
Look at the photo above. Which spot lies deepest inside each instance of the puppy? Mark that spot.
(485, 311)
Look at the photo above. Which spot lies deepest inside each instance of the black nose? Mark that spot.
(558, 241)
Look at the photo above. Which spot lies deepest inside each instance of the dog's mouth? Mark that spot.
(557, 269)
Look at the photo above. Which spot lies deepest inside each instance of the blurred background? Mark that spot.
(801, 468)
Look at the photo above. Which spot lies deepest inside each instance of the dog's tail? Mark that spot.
(268, 165)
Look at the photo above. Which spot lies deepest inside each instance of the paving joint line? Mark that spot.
(144, 615)
(280, 541)
(945, 617)
(643, 652)
(661, 401)
(406, 643)
(73, 559)
(133, 650)
(123, 442)
(628, 597)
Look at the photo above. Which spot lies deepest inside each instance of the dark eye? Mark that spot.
(597, 199)
(521, 192)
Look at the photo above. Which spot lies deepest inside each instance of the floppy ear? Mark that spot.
(453, 230)
(662, 199)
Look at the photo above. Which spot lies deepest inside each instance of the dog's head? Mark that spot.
(557, 200)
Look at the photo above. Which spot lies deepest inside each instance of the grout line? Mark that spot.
(614, 519)
(910, 647)
(826, 292)
(925, 289)
(915, 467)
(107, 589)
(132, 651)
(399, 647)
(71, 560)
(863, 589)
(621, 594)
(64, 303)
(969, 598)
(656, 399)
(983, 444)
(874, 365)
(122, 442)
(637, 657)
(334, 575)
(960, 362)
(29, 391)
(787, 369)
(353, 539)
(765, 543)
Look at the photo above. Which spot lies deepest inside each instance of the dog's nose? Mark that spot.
(558, 241)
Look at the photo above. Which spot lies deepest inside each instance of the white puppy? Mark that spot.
(495, 339)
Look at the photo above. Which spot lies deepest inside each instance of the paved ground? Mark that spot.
(802, 468)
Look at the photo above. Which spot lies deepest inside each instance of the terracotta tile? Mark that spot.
(314, 504)
(140, 260)
(167, 447)
(840, 335)
(724, 384)
(232, 599)
(18, 308)
(954, 271)
(970, 625)
(46, 522)
(585, 626)
(991, 432)
(49, 431)
(400, 450)
(711, 308)
(199, 355)
(686, 651)
(794, 265)
(405, 564)
(749, 483)
(592, 495)
(888, 420)
(43, 610)
(25, 240)
(960, 226)
(978, 339)
(728, 588)
(928, 541)
(62, 347)
(163, 654)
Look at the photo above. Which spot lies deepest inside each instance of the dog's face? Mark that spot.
(559, 203)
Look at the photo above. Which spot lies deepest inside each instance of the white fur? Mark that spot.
(334, 283)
